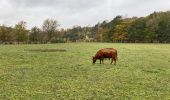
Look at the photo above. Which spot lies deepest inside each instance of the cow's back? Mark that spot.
(108, 52)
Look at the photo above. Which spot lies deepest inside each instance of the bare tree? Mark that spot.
(49, 28)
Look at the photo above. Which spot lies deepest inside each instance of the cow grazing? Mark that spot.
(106, 53)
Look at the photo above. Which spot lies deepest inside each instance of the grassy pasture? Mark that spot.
(65, 71)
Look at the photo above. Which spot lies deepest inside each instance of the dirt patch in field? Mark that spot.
(48, 50)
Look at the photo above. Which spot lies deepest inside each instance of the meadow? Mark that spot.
(65, 71)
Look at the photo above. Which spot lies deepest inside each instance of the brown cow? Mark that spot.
(106, 53)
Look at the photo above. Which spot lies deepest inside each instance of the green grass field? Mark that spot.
(43, 72)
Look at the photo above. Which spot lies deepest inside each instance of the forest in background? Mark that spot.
(154, 28)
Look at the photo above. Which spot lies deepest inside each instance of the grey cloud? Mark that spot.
(75, 12)
(58, 4)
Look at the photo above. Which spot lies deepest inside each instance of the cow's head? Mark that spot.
(94, 60)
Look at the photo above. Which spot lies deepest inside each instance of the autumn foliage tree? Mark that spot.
(121, 31)
(154, 28)
(35, 35)
(6, 34)
(20, 31)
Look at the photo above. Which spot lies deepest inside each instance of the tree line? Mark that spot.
(154, 28)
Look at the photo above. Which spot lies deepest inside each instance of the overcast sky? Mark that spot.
(75, 12)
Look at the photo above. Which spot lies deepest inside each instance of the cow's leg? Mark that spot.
(111, 61)
(100, 61)
(114, 61)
